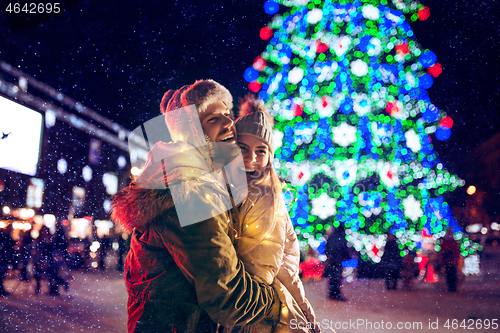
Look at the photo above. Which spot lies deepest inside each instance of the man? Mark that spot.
(6, 255)
(336, 252)
(182, 273)
(392, 262)
(450, 255)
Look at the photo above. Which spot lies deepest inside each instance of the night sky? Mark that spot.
(119, 57)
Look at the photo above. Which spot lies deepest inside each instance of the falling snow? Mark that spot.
(119, 60)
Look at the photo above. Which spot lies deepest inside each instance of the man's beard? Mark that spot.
(222, 152)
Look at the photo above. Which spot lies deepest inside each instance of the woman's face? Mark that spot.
(255, 155)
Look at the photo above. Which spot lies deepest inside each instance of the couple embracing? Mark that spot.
(213, 248)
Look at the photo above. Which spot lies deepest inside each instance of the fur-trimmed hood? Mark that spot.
(134, 206)
(171, 163)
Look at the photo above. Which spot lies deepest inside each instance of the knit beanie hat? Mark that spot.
(183, 107)
(254, 120)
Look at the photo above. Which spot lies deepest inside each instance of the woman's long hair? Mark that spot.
(269, 180)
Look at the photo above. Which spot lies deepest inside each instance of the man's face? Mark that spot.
(219, 130)
(217, 124)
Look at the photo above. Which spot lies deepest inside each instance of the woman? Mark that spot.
(266, 241)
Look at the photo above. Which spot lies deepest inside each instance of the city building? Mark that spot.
(60, 161)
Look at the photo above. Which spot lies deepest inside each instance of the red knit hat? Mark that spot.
(183, 107)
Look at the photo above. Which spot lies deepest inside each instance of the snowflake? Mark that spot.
(389, 174)
(344, 135)
(362, 105)
(341, 45)
(345, 171)
(300, 174)
(370, 12)
(323, 206)
(413, 208)
(324, 106)
(359, 68)
(413, 141)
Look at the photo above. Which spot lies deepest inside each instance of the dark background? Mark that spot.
(119, 57)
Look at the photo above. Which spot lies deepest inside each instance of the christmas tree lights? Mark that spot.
(346, 82)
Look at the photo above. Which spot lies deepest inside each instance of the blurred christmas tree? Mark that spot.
(346, 82)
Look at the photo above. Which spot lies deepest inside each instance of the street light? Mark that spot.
(471, 190)
(135, 171)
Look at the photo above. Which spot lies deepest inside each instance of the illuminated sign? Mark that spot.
(20, 137)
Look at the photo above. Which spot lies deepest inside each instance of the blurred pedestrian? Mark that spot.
(336, 252)
(60, 243)
(25, 250)
(450, 254)
(40, 259)
(44, 263)
(86, 252)
(60, 256)
(392, 262)
(105, 244)
(123, 245)
(6, 255)
(409, 270)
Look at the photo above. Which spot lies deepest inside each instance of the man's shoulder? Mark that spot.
(198, 199)
(195, 181)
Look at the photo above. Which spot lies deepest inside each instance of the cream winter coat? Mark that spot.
(268, 247)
